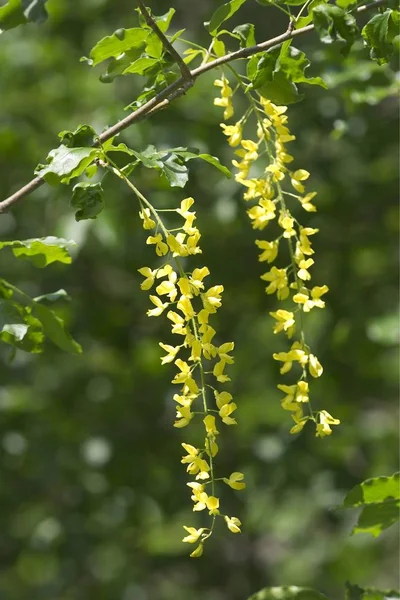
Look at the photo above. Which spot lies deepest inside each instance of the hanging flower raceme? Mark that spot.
(189, 306)
(272, 194)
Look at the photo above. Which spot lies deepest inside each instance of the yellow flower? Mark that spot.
(306, 204)
(278, 282)
(314, 366)
(196, 279)
(296, 354)
(184, 416)
(277, 170)
(269, 250)
(198, 552)
(178, 323)
(150, 276)
(226, 97)
(325, 420)
(148, 223)
(160, 307)
(234, 133)
(233, 524)
(285, 322)
(194, 534)
(297, 177)
(235, 481)
(286, 221)
(161, 247)
(218, 372)
(300, 422)
(186, 307)
(172, 351)
(209, 422)
(212, 298)
(302, 392)
(303, 297)
(304, 265)
(251, 151)
(262, 213)
(211, 446)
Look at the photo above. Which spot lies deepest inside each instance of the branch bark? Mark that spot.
(178, 88)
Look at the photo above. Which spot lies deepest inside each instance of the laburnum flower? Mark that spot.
(198, 552)
(256, 188)
(223, 350)
(185, 376)
(161, 247)
(211, 446)
(178, 323)
(278, 282)
(194, 534)
(226, 407)
(300, 422)
(262, 129)
(212, 298)
(167, 287)
(202, 500)
(305, 202)
(297, 177)
(235, 481)
(148, 223)
(303, 297)
(183, 415)
(234, 133)
(304, 265)
(269, 250)
(262, 213)
(218, 372)
(285, 322)
(295, 354)
(150, 277)
(277, 171)
(233, 524)
(314, 366)
(325, 420)
(159, 307)
(303, 245)
(171, 351)
(196, 464)
(196, 279)
(209, 423)
(302, 391)
(226, 97)
(184, 304)
(286, 221)
(249, 152)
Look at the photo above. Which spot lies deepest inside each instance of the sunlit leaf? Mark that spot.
(116, 44)
(42, 251)
(380, 499)
(223, 13)
(333, 24)
(354, 592)
(246, 34)
(379, 34)
(17, 12)
(291, 592)
(54, 328)
(66, 163)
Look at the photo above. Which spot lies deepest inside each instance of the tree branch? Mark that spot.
(178, 88)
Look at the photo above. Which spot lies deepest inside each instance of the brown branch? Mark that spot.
(178, 88)
(184, 69)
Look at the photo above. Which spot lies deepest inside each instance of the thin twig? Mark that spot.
(177, 89)
(184, 69)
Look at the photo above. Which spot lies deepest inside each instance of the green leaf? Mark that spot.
(354, 592)
(333, 24)
(54, 328)
(281, 90)
(17, 12)
(379, 34)
(87, 200)
(42, 251)
(83, 136)
(380, 499)
(292, 62)
(18, 328)
(116, 44)
(371, 491)
(304, 21)
(66, 163)
(24, 321)
(174, 171)
(141, 65)
(291, 592)
(190, 153)
(223, 13)
(53, 296)
(282, 2)
(163, 22)
(246, 34)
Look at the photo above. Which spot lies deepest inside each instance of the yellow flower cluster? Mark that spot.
(269, 194)
(189, 305)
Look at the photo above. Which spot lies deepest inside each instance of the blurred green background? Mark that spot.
(92, 493)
